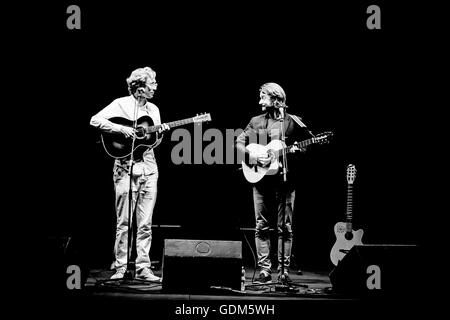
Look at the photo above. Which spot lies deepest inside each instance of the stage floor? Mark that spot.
(312, 296)
(307, 285)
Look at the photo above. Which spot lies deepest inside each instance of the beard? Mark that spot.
(267, 108)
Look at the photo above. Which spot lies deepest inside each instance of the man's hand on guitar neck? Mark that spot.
(296, 148)
(164, 127)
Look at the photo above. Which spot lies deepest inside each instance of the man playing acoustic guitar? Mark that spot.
(141, 86)
(272, 197)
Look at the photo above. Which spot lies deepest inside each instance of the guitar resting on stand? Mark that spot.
(346, 237)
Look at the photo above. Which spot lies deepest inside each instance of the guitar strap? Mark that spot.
(298, 120)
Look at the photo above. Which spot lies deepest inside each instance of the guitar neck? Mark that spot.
(172, 124)
(349, 214)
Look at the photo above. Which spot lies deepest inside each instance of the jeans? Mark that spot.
(144, 183)
(269, 204)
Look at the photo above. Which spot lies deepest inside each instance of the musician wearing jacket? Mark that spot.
(141, 86)
(272, 197)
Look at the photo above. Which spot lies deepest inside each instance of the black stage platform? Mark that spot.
(307, 285)
(313, 299)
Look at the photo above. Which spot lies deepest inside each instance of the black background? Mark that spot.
(365, 85)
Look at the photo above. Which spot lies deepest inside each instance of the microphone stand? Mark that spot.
(129, 274)
(132, 223)
(131, 218)
(282, 284)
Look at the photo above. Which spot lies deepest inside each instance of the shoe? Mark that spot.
(284, 278)
(264, 277)
(147, 274)
(120, 272)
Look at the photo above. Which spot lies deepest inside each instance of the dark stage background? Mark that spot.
(338, 75)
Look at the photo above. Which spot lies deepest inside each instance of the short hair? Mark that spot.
(274, 91)
(138, 78)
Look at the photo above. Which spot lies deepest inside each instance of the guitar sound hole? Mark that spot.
(348, 236)
(140, 132)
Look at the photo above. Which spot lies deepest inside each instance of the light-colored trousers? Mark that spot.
(144, 189)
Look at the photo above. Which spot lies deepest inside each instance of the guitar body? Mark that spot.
(255, 173)
(344, 241)
(118, 146)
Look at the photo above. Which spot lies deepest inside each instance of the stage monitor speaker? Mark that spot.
(198, 265)
(378, 269)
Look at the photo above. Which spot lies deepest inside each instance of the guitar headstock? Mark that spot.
(202, 118)
(323, 137)
(351, 173)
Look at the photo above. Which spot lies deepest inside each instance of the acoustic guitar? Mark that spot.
(255, 172)
(118, 146)
(346, 237)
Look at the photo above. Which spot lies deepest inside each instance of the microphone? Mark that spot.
(280, 106)
(281, 109)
